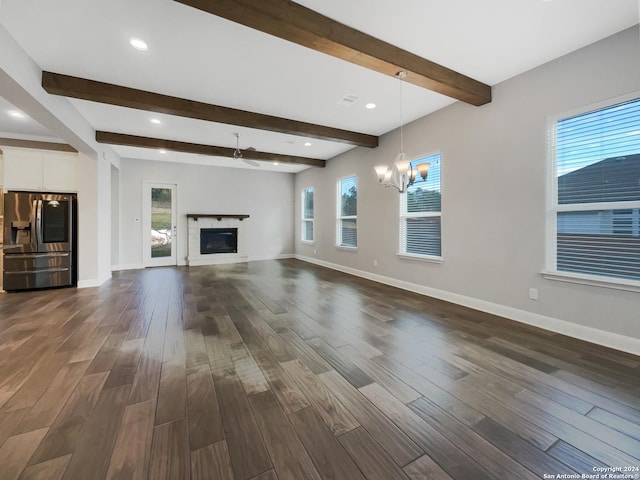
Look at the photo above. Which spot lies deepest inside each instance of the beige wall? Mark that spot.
(494, 184)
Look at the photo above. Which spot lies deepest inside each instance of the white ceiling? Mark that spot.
(198, 56)
(23, 128)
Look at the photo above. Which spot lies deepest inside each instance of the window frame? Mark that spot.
(340, 217)
(403, 215)
(305, 220)
(550, 270)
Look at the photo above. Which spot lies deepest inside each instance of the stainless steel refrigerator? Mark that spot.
(39, 240)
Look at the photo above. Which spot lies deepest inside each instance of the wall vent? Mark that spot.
(348, 100)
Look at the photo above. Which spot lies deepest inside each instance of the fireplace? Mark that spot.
(218, 240)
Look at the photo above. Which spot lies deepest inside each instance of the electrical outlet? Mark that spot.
(375, 263)
(533, 293)
(315, 251)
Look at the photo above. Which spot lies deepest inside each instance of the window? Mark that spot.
(420, 214)
(347, 212)
(597, 193)
(307, 215)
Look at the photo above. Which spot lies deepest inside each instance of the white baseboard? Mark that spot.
(132, 266)
(588, 334)
(91, 283)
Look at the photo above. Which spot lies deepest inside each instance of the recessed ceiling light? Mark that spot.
(16, 114)
(307, 144)
(370, 106)
(139, 44)
(276, 163)
(162, 150)
(156, 121)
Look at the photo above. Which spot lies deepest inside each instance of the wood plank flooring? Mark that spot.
(281, 370)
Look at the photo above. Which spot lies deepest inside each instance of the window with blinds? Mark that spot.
(307, 215)
(421, 214)
(597, 197)
(347, 231)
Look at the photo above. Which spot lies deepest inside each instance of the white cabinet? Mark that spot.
(26, 169)
(60, 172)
(22, 169)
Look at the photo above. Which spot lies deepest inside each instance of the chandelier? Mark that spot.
(401, 174)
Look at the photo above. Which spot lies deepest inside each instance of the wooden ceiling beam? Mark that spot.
(112, 138)
(293, 22)
(95, 91)
(58, 147)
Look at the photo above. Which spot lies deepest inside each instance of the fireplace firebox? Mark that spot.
(218, 240)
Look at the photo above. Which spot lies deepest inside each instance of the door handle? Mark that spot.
(38, 223)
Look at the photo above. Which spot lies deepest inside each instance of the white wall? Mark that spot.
(94, 221)
(494, 185)
(115, 215)
(103, 192)
(266, 196)
(87, 222)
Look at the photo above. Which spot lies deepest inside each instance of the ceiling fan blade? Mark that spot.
(253, 163)
(250, 149)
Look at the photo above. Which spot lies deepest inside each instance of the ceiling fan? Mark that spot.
(237, 154)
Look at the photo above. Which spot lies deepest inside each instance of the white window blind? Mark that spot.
(347, 231)
(598, 192)
(307, 215)
(421, 213)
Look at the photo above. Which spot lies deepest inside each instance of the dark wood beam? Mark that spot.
(212, 150)
(293, 22)
(92, 90)
(59, 147)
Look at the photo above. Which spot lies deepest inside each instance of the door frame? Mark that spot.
(147, 260)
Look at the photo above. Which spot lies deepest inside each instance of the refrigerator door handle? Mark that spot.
(40, 255)
(39, 239)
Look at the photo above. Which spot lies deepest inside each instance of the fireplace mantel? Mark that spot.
(219, 216)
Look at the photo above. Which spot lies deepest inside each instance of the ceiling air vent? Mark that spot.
(348, 100)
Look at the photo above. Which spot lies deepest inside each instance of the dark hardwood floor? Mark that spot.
(284, 370)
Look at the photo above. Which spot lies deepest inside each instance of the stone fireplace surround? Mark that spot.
(211, 220)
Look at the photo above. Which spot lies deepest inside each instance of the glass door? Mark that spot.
(159, 234)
